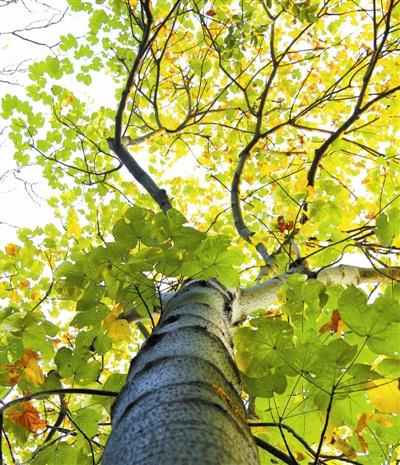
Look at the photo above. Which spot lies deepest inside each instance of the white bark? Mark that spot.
(181, 404)
(264, 295)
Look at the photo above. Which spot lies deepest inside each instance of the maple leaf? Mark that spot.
(67, 100)
(11, 250)
(24, 283)
(116, 328)
(283, 225)
(335, 325)
(384, 396)
(27, 367)
(35, 295)
(26, 415)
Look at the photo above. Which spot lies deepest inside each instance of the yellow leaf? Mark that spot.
(310, 192)
(35, 295)
(73, 228)
(344, 446)
(396, 241)
(33, 373)
(11, 250)
(119, 330)
(382, 419)
(14, 296)
(385, 396)
(116, 328)
(67, 100)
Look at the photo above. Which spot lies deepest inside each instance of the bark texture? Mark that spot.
(181, 404)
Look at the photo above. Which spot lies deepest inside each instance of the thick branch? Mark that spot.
(117, 145)
(159, 195)
(241, 228)
(265, 294)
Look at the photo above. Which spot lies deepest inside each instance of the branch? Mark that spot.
(287, 428)
(131, 142)
(265, 294)
(117, 144)
(159, 195)
(60, 418)
(94, 392)
(241, 228)
(358, 108)
(274, 451)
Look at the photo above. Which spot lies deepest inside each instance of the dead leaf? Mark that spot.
(11, 250)
(335, 325)
(26, 415)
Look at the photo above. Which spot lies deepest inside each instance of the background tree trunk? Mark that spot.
(181, 403)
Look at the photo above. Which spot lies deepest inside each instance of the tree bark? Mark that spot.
(181, 404)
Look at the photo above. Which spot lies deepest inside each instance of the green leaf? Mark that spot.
(302, 296)
(363, 372)
(389, 368)
(386, 342)
(388, 226)
(91, 297)
(263, 347)
(338, 353)
(68, 41)
(115, 382)
(125, 235)
(360, 317)
(86, 419)
(102, 343)
(265, 386)
(50, 328)
(63, 360)
(34, 337)
(92, 317)
(60, 453)
(85, 374)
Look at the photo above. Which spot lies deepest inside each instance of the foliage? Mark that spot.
(272, 126)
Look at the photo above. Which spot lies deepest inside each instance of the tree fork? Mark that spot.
(181, 402)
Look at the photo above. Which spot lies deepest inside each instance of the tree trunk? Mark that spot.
(181, 404)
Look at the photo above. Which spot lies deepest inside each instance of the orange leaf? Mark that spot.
(24, 283)
(11, 250)
(13, 377)
(27, 367)
(362, 423)
(26, 415)
(335, 325)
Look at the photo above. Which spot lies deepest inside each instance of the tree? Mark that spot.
(261, 137)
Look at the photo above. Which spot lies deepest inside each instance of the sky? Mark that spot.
(23, 192)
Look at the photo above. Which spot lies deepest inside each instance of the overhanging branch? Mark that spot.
(265, 294)
(35, 395)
